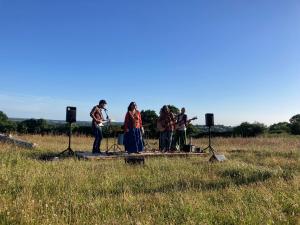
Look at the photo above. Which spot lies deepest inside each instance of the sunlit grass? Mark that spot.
(259, 184)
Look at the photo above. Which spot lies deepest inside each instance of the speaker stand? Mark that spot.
(209, 147)
(214, 157)
(147, 145)
(69, 149)
(107, 138)
(115, 146)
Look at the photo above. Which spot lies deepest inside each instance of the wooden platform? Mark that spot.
(122, 155)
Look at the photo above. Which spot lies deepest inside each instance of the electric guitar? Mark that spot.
(103, 123)
(179, 123)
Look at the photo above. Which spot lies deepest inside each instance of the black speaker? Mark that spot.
(134, 160)
(188, 148)
(71, 114)
(209, 119)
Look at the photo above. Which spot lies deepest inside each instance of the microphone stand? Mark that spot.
(108, 130)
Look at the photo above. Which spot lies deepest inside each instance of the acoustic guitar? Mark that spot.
(160, 127)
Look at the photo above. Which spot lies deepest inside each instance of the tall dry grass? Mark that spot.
(259, 184)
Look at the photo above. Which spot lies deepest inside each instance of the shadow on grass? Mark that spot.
(237, 151)
(286, 154)
(265, 154)
(227, 179)
(165, 188)
(4, 219)
(246, 176)
(49, 157)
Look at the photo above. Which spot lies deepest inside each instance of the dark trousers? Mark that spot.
(98, 138)
(179, 139)
(166, 140)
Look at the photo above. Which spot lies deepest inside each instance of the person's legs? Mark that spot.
(169, 135)
(98, 137)
(164, 141)
(160, 142)
(95, 132)
(175, 140)
(140, 141)
(182, 139)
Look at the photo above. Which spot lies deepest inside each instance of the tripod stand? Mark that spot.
(147, 144)
(108, 130)
(209, 147)
(69, 149)
(209, 118)
(115, 146)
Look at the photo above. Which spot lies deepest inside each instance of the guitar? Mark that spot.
(179, 123)
(103, 123)
(160, 128)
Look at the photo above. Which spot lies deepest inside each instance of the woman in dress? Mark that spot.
(133, 140)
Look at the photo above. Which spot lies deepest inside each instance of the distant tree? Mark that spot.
(6, 126)
(279, 128)
(60, 129)
(42, 126)
(22, 128)
(33, 126)
(3, 117)
(249, 130)
(192, 130)
(28, 125)
(295, 128)
(83, 130)
(174, 109)
(295, 119)
(295, 124)
(149, 118)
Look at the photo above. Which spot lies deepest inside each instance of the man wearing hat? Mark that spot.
(97, 125)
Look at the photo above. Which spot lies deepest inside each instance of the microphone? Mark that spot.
(105, 109)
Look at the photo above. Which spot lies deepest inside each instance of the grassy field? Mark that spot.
(259, 184)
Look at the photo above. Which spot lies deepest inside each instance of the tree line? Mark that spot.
(245, 129)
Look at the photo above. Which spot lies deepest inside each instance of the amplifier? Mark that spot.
(188, 148)
(135, 160)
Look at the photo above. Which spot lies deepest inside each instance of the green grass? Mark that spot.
(259, 184)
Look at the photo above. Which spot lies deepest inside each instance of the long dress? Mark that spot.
(133, 140)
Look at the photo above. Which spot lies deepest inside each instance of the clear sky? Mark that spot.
(237, 58)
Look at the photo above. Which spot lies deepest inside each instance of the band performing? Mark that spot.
(172, 128)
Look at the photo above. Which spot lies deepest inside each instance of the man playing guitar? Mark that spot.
(181, 127)
(97, 124)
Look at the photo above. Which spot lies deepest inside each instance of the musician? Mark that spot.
(160, 129)
(97, 122)
(166, 125)
(133, 126)
(181, 126)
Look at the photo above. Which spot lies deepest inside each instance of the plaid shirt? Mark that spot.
(97, 115)
(167, 121)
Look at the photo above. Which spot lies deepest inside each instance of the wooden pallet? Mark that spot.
(122, 155)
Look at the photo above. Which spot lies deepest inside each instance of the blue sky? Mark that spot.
(236, 58)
